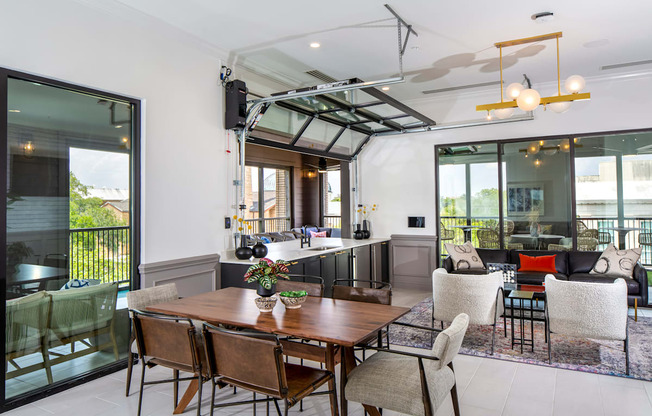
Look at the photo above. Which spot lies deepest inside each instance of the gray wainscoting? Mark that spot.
(412, 261)
(193, 275)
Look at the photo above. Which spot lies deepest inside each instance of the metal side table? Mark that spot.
(521, 296)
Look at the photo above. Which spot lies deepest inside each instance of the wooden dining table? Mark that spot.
(332, 321)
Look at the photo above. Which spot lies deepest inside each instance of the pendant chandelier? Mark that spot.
(516, 95)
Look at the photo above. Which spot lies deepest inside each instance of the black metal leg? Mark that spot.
(213, 397)
(511, 318)
(521, 312)
(175, 374)
(142, 380)
(493, 338)
(278, 409)
(254, 404)
(201, 383)
(549, 347)
(287, 407)
(130, 365)
(532, 324)
(627, 355)
(456, 402)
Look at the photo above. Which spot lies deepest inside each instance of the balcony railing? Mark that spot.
(332, 221)
(267, 225)
(101, 253)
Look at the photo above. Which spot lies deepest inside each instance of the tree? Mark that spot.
(87, 212)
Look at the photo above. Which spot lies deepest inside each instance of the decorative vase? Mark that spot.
(259, 250)
(357, 234)
(265, 293)
(365, 229)
(243, 252)
(534, 229)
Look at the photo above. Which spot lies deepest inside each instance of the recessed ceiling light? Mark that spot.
(315, 45)
(385, 88)
(118, 127)
(14, 111)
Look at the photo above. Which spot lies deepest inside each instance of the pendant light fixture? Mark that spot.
(516, 95)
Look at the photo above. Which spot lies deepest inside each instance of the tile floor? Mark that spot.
(486, 386)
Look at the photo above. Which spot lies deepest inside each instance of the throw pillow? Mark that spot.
(616, 262)
(464, 256)
(545, 264)
(323, 234)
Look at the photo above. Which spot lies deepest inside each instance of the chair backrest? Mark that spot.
(644, 239)
(581, 226)
(26, 319)
(298, 282)
(167, 338)
(448, 342)
(558, 247)
(508, 227)
(140, 299)
(474, 295)
(587, 310)
(488, 238)
(56, 260)
(587, 243)
(381, 293)
(264, 238)
(588, 233)
(292, 235)
(246, 359)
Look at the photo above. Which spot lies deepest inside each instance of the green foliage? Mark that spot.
(87, 212)
(294, 294)
(267, 273)
(336, 199)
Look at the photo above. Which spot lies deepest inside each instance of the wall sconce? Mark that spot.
(309, 173)
(28, 148)
(125, 142)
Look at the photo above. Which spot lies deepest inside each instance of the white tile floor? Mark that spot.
(486, 387)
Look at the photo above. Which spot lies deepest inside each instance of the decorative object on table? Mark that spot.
(617, 262)
(243, 252)
(267, 273)
(508, 270)
(357, 234)
(366, 212)
(318, 234)
(293, 299)
(529, 99)
(464, 256)
(265, 303)
(259, 250)
(525, 198)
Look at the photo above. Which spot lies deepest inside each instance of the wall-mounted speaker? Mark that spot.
(235, 105)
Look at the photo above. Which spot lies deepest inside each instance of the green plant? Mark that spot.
(294, 294)
(267, 272)
(17, 252)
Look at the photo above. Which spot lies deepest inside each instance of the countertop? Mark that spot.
(291, 250)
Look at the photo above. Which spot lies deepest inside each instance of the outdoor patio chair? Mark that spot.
(140, 299)
(410, 383)
(587, 310)
(444, 233)
(488, 238)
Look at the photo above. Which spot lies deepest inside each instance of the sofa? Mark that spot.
(569, 265)
(307, 228)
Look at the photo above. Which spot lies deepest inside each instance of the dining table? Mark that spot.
(339, 324)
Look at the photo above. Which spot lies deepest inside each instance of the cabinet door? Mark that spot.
(362, 263)
(297, 267)
(232, 275)
(312, 266)
(343, 264)
(328, 272)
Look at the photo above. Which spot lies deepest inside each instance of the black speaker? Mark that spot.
(235, 106)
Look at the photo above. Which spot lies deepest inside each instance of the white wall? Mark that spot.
(398, 172)
(184, 163)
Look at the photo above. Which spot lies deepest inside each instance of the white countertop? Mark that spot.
(291, 250)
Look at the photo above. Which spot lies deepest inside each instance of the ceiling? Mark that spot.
(454, 47)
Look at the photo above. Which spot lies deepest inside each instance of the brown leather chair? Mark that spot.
(299, 282)
(254, 362)
(168, 341)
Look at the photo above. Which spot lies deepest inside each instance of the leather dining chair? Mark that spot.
(254, 362)
(299, 282)
(168, 341)
(140, 299)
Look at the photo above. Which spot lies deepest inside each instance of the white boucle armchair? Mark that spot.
(480, 296)
(587, 310)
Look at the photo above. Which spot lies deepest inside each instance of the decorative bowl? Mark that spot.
(265, 303)
(293, 299)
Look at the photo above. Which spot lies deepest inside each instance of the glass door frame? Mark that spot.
(134, 224)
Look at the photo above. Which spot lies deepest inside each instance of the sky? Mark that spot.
(100, 169)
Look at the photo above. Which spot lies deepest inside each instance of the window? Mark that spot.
(331, 195)
(70, 168)
(267, 199)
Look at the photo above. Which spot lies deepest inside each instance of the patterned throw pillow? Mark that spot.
(614, 262)
(322, 234)
(464, 256)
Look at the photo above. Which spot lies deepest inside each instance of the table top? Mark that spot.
(30, 273)
(539, 236)
(621, 228)
(521, 294)
(466, 226)
(328, 320)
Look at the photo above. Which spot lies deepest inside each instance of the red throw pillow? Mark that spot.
(318, 234)
(545, 264)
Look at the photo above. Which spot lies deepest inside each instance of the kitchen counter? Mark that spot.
(291, 250)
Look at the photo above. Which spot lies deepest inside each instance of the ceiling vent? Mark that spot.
(462, 87)
(320, 75)
(624, 65)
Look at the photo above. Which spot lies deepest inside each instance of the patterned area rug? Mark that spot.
(593, 356)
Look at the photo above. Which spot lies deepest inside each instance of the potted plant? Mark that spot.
(267, 273)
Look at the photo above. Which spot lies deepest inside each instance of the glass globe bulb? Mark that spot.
(574, 84)
(564, 146)
(533, 148)
(528, 100)
(513, 90)
(560, 107)
(503, 113)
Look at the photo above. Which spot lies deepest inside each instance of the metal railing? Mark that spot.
(101, 253)
(640, 225)
(332, 221)
(267, 225)
(477, 222)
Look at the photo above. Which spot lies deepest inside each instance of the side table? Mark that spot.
(521, 296)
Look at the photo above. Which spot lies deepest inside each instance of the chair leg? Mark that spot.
(549, 349)
(46, 362)
(287, 408)
(626, 356)
(201, 382)
(130, 366)
(335, 410)
(254, 404)
(456, 402)
(493, 338)
(142, 380)
(278, 409)
(175, 375)
(213, 397)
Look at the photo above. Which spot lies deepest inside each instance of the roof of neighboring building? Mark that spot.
(122, 206)
(109, 194)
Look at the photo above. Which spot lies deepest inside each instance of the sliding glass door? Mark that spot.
(69, 232)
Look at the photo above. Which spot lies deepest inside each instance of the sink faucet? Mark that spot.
(305, 239)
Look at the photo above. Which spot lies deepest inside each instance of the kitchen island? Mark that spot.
(330, 258)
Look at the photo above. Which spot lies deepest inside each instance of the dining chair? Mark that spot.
(410, 383)
(254, 362)
(140, 299)
(292, 235)
(299, 282)
(168, 341)
(265, 238)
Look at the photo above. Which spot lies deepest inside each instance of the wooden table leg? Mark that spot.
(191, 391)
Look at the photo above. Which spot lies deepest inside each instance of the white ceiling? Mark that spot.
(455, 43)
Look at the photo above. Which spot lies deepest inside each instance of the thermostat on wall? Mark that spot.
(417, 222)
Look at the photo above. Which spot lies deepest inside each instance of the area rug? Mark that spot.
(593, 356)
